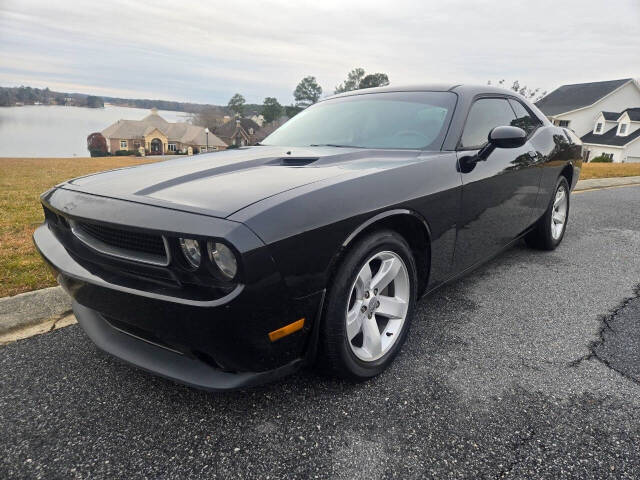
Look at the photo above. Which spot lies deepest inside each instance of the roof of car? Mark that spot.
(429, 87)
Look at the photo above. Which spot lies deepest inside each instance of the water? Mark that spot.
(58, 131)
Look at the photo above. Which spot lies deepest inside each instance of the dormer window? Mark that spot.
(623, 129)
(599, 128)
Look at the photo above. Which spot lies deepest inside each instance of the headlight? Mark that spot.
(191, 251)
(224, 258)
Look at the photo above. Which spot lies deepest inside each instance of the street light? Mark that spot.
(206, 132)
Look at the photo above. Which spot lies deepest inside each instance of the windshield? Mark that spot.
(412, 120)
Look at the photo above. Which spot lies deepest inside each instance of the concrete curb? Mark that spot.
(606, 182)
(31, 308)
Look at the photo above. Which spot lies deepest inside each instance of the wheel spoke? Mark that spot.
(354, 321)
(559, 198)
(392, 307)
(364, 277)
(558, 217)
(387, 273)
(371, 341)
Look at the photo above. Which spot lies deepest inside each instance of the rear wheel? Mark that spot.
(549, 231)
(369, 307)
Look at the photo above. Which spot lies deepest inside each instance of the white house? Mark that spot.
(576, 106)
(615, 135)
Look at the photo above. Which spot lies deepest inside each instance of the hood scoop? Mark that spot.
(294, 161)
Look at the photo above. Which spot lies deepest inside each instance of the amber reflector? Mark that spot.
(286, 330)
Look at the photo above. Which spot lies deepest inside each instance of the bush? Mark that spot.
(98, 153)
(125, 153)
(97, 145)
(602, 159)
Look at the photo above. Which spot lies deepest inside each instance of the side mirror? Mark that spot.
(507, 137)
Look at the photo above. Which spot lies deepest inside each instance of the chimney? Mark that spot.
(238, 122)
(154, 111)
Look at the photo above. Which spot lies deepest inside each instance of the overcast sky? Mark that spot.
(205, 51)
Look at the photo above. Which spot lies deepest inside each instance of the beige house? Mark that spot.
(159, 137)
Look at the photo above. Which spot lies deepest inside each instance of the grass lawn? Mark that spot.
(607, 170)
(22, 180)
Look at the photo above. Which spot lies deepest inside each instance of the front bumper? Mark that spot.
(169, 363)
(214, 344)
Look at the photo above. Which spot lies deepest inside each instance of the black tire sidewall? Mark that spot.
(336, 345)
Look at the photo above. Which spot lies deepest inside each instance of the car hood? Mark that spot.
(221, 183)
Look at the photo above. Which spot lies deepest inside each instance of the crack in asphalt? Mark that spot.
(606, 327)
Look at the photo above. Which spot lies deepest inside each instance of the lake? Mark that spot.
(59, 131)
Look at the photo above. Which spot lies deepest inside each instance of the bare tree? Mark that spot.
(533, 94)
(209, 117)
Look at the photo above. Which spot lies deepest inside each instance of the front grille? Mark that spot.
(143, 247)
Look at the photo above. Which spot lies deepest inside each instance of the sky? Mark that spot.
(205, 51)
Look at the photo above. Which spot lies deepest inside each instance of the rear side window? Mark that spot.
(485, 114)
(524, 119)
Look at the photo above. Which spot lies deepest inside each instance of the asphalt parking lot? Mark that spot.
(528, 368)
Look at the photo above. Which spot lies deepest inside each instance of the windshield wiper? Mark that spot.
(333, 145)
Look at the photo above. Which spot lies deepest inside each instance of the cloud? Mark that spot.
(206, 51)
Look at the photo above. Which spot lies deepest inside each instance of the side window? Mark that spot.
(485, 114)
(524, 119)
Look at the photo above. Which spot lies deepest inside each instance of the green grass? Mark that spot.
(22, 180)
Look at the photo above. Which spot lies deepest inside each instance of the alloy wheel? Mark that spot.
(559, 212)
(377, 306)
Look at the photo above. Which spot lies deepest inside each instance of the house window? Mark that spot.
(563, 123)
(172, 147)
(623, 128)
(123, 144)
(251, 131)
(136, 145)
(598, 127)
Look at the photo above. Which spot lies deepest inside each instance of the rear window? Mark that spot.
(403, 120)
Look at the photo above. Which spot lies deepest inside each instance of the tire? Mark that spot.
(356, 357)
(544, 236)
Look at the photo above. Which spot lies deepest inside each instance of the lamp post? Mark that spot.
(206, 132)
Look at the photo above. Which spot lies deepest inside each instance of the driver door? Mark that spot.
(498, 192)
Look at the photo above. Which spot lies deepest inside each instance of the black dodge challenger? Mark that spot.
(234, 268)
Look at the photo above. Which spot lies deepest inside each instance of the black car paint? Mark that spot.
(290, 225)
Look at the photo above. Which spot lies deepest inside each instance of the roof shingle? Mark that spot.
(610, 138)
(176, 132)
(571, 97)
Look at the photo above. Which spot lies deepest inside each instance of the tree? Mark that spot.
(236, 104)
(97, 145)
(5, 98)
(307, 92)
(209, 117)
(357, 79)
(374, 80)
(354, 77)
(292, 110)
(533, 94)
(271, 109)
(94, 102)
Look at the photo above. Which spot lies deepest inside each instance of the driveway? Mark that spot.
(527, 368)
